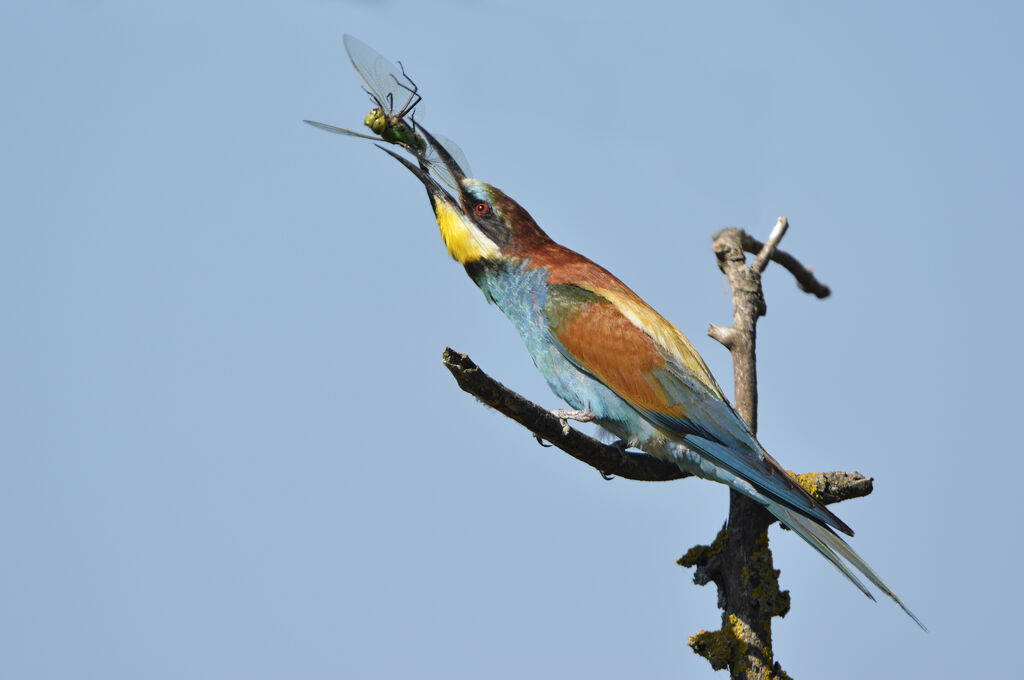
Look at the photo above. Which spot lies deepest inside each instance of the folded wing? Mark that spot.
(611, 334)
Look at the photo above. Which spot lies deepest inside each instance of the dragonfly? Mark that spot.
(386, 84)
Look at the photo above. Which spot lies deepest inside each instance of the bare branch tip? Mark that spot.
(767, 251)
(727, 335)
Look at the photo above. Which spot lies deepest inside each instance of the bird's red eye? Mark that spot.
(481, 208)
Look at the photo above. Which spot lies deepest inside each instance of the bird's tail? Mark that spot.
(836, 550)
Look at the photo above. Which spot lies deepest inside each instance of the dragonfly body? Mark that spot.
(386, 84)
(392, 128)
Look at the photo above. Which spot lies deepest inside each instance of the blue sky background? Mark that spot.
(228, 447)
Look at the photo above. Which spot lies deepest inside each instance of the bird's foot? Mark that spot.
(624, 457)
(567, 414)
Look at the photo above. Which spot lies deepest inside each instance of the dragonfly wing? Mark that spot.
(437, 166)
(392, 89)
(339, 130)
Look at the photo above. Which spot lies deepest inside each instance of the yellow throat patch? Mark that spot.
(465, 242)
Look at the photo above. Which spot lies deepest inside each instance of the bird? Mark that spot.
(617, 362)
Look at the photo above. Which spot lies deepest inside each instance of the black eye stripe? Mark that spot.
(489, 222)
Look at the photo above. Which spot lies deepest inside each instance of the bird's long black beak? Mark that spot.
(445, 207)
(453, 167)
(434, 190)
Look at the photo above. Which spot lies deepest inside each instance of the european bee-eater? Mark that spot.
(618, 362)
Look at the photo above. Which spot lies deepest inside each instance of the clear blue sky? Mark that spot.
(228, 447)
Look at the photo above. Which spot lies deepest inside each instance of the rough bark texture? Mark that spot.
(739, 560)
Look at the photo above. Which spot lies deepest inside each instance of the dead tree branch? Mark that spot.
(609, 460)
(804, 276)
(828, 487)
(739, 560)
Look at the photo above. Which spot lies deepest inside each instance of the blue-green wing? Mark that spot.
(615, 337)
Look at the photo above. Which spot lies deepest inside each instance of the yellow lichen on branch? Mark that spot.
(700, 554)
(762, 581)
(722, 648)
(727, 648)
